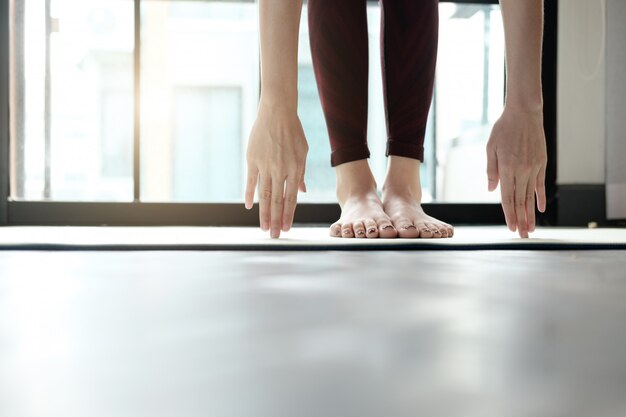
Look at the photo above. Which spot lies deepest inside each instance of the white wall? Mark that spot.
(581, 84)
(616, 110)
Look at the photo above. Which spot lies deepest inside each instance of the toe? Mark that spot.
(335, 230)
(447, 229)
(424, 231)
(435, 230)
(408, 231)
(359, 229)
(371, 228)
(386, 229)
(346, 230)
(406, 228)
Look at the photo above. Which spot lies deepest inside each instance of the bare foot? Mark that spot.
(402, 197)
(362, 213)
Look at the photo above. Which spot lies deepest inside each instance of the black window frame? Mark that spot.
(138, 213)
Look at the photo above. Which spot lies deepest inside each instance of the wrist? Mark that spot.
(279, 95)
(280, 106)
(524, 104)
(525, 96)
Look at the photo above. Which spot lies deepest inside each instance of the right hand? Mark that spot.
(276, 154)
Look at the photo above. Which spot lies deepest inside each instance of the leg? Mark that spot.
(339, 48)
(409, 37)
(408, 44)
(338, 37)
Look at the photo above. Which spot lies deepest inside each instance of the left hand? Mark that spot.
(517, 157)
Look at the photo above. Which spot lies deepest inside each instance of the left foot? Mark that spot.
(402, 196)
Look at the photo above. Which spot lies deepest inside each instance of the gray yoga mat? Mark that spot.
(299, 238)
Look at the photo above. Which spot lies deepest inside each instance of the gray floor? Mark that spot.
(423, 333)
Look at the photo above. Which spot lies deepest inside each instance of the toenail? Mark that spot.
(360, 232)
(371, 230)
(408, 226)
(388, 227)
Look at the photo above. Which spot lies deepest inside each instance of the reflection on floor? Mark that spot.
(313, 333)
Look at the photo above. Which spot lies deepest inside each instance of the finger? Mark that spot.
(530, 202)
(541, 189)
(265, 195)
(253, 176)
(492, 169)
(521, 185)
(301, 184)
(276, 209)
(508, 202)
(291, 199)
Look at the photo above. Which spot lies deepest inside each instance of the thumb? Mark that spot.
(492, 169)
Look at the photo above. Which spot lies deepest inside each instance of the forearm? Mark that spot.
(523, 32)
(279, 22)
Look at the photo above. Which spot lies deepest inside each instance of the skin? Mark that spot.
(516, 150)
(277, 148)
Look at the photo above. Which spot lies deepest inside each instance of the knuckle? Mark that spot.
(277, 199)
(291, 199)
(265, 195)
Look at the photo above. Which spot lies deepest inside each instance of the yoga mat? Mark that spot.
(299, 238)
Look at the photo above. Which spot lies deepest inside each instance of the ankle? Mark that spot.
(405, 188)
(355, 177)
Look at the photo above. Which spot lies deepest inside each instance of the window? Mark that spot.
(468, 99)
(137, 101)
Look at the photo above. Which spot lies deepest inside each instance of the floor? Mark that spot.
(313, 333)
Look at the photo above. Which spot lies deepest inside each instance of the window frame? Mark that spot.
(138, 213)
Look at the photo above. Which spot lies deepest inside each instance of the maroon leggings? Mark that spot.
(339, 47)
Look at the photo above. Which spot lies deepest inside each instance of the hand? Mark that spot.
(516, 156)
(276, 154)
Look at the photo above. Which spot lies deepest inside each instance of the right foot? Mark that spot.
(362, 213)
